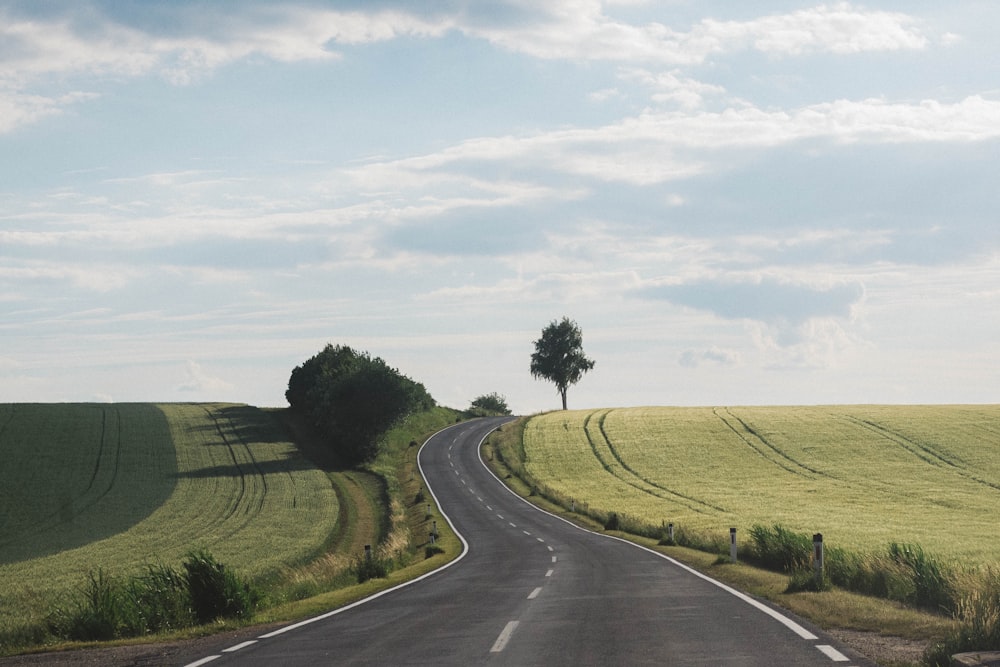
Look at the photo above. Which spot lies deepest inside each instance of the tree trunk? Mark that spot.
(563, 393)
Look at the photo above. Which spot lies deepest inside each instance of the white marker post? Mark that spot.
(368, 552)
(818, 557)
(732, 545)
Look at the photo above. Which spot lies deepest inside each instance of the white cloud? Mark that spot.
(582, 31)
(18, 108)
(840, 29)
(656, 147)
(711, 355)
(201, 382)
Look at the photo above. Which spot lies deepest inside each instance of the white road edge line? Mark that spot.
(501, 642)
(204, 661)
(832, 653)
(233, 649)
(760, 606)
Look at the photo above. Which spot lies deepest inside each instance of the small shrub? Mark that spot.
(419, 498)
(805, 579)
(93, 614)
(432, 549)
(158, 601)
(366, 568)
(215, 590)
(613, 522)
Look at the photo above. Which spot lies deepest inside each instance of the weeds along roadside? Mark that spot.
(903, 591)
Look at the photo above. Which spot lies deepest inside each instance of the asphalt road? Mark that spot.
(532, 589)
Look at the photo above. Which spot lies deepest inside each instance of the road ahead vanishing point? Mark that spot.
(533, 589)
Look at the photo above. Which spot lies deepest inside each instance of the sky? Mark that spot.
(739, 203)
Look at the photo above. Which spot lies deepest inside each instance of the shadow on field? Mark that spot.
(240, 423)
(264, 468)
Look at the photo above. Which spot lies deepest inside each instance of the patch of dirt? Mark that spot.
(885, 651)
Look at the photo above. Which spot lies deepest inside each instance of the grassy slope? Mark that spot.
(149, 483)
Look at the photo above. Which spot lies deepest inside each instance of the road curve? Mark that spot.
(533, 589)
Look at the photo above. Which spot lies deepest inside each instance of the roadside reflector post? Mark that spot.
(670, 532)
(434, 532)
(428, 510)
(818, 556)
(572, 506)
(368, 552)
(732, 545)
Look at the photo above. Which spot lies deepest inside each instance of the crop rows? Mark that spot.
(124, 486)
(864, 476)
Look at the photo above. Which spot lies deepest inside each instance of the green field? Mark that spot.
(864, 476)
(122, 486)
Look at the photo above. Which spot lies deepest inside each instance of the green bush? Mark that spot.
(366, 568)
(215, 590)
(159, 601)
(93, 614)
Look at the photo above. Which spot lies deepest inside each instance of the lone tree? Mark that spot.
(559, 357)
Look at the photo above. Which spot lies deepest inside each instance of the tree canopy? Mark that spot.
(559, 357)
(489, 404)
(352, 399)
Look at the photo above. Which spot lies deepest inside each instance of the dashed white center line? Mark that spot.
(489, 508)
(540, 540)
(549, 573)
(526, 532)
(500, 516)
(534, 594)
(512, 524)
(504, 637)
(832, 653)
(553, 559)
(551, 549)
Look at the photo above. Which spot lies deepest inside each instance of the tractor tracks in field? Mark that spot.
(765, 448)
(616, 465)
(927, 453)
(252, 481)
